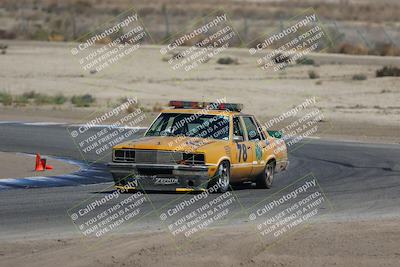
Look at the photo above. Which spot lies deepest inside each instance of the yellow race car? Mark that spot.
(198, 146)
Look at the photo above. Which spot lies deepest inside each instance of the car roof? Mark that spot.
(193, 111)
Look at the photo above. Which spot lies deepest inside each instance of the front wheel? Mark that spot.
(222, 178)
(264, 180)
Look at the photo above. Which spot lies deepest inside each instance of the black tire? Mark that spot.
(223, 176)
(265, 179)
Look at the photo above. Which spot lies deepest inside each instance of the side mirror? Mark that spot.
(276, 134)
(238, 138)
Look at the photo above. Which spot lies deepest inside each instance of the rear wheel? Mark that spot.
(221, 178)
(265, 179)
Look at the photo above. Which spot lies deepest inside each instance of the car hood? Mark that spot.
(170, 143)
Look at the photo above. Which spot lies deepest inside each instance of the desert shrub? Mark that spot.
(3, 48)
(318, 82)
(351, 49)
(7, 34)
(281, 58)
(165, 58)
(228, 61)
(195, 40)
(359, 77)
(132, 107)
(172, 55)
(123, 100)
(83, 100)
(80, 7)
(40, 35)
(157, 107)
(313, 74)
(6, 98)
(305, 61)
(59, 99)
(42, 99)
(21, 100)
(385, 49)
(30, 94)
(388, 71)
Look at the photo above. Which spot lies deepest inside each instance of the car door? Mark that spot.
(242, 154)
(256, 141)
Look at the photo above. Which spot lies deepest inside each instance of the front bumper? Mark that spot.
(159, 176)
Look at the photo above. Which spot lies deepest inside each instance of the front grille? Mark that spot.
(157, 157)
(146, 156)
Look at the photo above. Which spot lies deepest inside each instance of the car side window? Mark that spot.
(237, 128)
(260, 130)
(251, 127)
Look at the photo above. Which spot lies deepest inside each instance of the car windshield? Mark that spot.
(192, 125)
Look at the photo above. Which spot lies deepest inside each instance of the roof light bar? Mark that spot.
(209, 105)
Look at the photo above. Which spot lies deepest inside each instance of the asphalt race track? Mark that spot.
(360, 181)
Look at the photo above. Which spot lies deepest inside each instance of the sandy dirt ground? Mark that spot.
(22, 165)
(365, 110)
(365, 243)
(44, 114)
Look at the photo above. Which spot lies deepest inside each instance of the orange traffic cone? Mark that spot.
(39, 165)
(49, 167)
(43, 161)
(45, 165)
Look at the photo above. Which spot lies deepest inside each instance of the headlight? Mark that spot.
(193, 159)
(124, 155)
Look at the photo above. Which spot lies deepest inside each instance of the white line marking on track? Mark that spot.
(43, 123)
